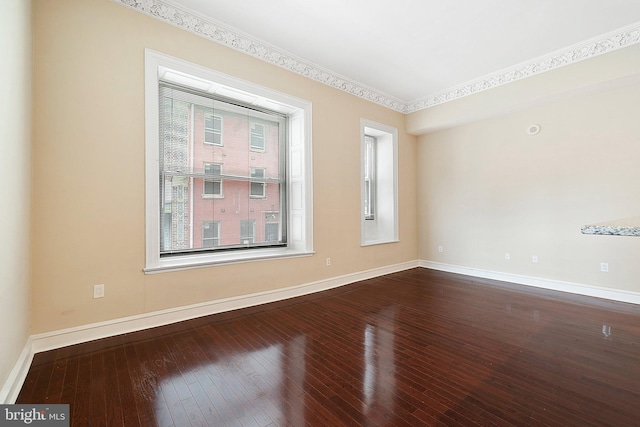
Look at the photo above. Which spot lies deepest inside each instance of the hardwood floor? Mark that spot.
(414, 348)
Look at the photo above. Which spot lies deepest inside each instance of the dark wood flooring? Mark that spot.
(414, 348)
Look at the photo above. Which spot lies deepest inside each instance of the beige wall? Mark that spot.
(15, 180)
(88, 202)
(487, 188)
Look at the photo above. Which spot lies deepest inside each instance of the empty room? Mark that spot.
(290, 213)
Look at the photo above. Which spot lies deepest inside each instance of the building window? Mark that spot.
(210, 234)
(379, 188)
(185, 231)
(258, 184)
(212, 129)
(369, 177)
(257, 131)
(178, 104)
(247, 231)
(212, 185)
(271, 226)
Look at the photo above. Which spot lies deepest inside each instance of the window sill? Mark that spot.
(188, 262)
(213, 196)
(378, 242)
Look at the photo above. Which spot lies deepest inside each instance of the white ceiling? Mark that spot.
(408, 50)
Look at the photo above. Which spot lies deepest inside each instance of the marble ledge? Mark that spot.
(623, 227)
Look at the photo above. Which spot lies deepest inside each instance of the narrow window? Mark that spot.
(247, 231)
(212, 129)
(271, 226)
(257, 136)
(369, 177)
(258, 183)
(379, 185)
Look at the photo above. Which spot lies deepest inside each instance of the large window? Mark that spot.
(245, 174)
(264, 166)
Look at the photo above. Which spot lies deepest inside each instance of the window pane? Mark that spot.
(212, 169)
(195, 170)
(247, 231)
(257, 136)
(210, 234)
(257, 173)
(369, 177)
(271, 232)
(212, 187)
(257, 189)
(212, 129)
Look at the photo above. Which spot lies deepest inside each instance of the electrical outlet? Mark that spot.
(440, 249)
(604, 266)
(328, 261)
(98, 291)
(507, 256)
(534, 259)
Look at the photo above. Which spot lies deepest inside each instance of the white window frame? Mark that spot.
(207, 178)
(213, 130)
(252, 237)
(216, 240)
(299, 189)
(263, 147)
(263, 184)
(382, 227)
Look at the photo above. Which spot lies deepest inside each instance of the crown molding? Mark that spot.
(609, 42)
(196, 23)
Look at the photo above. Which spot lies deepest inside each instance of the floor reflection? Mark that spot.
(270, 378)
(379, 380)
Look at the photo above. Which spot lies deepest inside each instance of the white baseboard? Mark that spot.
(556, 285)
(11, 388)
(61, 338)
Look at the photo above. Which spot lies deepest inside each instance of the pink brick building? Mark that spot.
(222, 178)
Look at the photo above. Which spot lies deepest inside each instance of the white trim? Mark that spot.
(300, 243)
(605, 43)
(204, 26)
(13, 384)
(194, 22)
(65, 337)
(538, 282)
(213, 129)
(383, 228)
